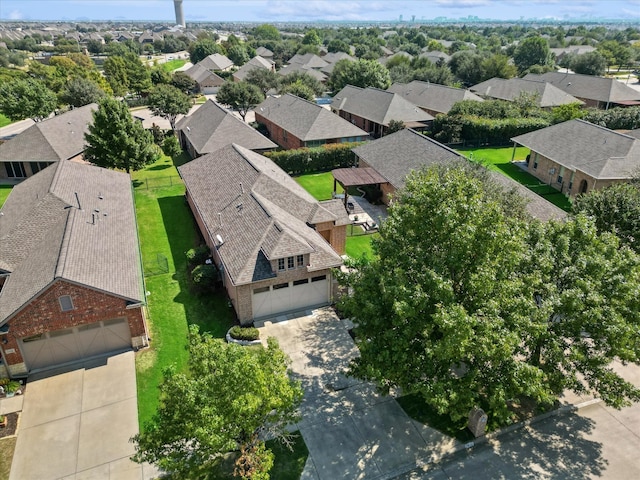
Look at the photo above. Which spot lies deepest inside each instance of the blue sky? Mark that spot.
(309, 10)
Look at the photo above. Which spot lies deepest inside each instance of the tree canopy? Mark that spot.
(168, 102)
(201, 49)
(81, 91)
(116, 140)
(241, 96)
(361, 73)
(231, 399)
(27, 98)
(532, 51)
(470, 305)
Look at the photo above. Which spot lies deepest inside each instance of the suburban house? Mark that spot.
(208, 82)
(216, 63)
(211, 127)
(547, 96)
(393, 157)
(273, 243)
(561, 52)
(296, 67)
(308, 60)
(293, 122)
(436, 57)
(371, 109)
(577, 156)
(431, 97)
(594, 91)
(71, 284)
(43, 143)
(264, 53)
(255, 62)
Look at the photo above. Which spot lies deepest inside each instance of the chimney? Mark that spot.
(179, 13)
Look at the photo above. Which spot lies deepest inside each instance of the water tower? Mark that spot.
(179, 12)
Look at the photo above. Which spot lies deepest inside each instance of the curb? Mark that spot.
(422, 463)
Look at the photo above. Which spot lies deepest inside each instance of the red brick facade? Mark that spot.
(44, 314)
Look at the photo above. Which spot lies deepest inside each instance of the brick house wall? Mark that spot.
(571, 182)
(43, 314)
(335, 235)
(277, 134)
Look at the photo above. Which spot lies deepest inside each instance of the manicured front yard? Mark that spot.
(172, 65)
(5, 190)
(499, 159)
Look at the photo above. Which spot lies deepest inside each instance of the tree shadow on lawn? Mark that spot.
(210, 311)
(557, 447)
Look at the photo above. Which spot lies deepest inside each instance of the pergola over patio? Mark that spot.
(355, 177)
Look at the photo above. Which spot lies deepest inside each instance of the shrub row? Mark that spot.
(615, 118)
(244, 333)
(316, 159)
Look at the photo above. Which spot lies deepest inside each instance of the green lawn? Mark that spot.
(320, 185)
(167, 230)
(5, 190)
(4, 121)
(288, 465)
(172, 65)
(499, 159)
(358, 245)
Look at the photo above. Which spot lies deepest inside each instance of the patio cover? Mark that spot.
(354, 177)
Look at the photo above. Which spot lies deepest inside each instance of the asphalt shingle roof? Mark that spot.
(438, 98)
(255, 62)
(503, 89)
(395, 156)
(74, 222)
(215, 62)
(377, 105)
(258, 210)
(200, 74)
(305, 120)
(296, 67)
(211, 127)
(580, 145)
(588, 86)
(52, 140)
(308, 60)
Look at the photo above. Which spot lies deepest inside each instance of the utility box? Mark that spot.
(477, 422)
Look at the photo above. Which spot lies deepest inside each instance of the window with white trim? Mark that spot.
(300, 260)
(290, 263)
(281, 264)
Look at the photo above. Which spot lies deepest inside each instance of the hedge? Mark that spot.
(453, 129)
(317, 159)
(244, 333)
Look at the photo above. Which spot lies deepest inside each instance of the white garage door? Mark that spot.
(287, 297)
(61, 346)
(209, 90)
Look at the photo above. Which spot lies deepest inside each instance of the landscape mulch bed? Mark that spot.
(12, 425)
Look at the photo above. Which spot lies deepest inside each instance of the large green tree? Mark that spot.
(532, 51)
(168, 102)
(231, 399)
(590, 63)
(241, 96)
(469, 303)
(26, 98)
(116, 140)
(201, 49)
(81, 91)
(263, 78)
(614, 209)
(361, 73)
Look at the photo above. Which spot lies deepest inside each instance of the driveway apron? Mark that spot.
(77, 421)
(350, 430)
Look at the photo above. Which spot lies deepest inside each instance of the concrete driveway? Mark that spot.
(76, 423)
(350, 430)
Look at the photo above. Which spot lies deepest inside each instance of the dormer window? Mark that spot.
(66, 304)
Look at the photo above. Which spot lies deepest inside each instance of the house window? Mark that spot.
(535, 161)
(66, 303)
(561, 175)
(15, 170)
(37, 166)
(304, 281)
(281, 264)
(290, 263)
(319, 278)
(261, 290)
(300, 260)
(280, 286)
(285, 136)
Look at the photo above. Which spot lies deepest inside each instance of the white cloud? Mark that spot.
(326, 9)
(462, 3)
(15, 15)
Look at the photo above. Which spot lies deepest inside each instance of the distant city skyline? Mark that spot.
(315, 10)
